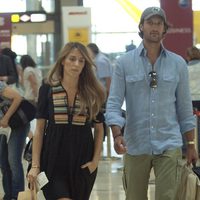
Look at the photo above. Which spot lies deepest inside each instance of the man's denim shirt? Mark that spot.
(155, 118)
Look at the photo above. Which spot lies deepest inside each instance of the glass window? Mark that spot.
(115, 24)
(12, 6)
(27, 5)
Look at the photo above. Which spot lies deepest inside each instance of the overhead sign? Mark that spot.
(78, 35)
(76, 24)
(5, 31)
(28, 17)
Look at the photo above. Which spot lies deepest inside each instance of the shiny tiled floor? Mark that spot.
(108, 185)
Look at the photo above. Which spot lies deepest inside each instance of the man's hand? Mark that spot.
(119, 145)
(191, 154)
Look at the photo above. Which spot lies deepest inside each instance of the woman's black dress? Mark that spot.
(68, 144)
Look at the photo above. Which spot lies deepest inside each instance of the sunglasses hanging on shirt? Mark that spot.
(153, 76)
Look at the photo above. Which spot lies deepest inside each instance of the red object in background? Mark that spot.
(5, 30)
(180, 19)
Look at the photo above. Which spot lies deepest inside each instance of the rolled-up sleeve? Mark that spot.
(115, 100)
(184, 102)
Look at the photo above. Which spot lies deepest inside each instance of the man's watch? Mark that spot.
(190, 142)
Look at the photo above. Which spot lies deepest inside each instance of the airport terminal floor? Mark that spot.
(108, 185)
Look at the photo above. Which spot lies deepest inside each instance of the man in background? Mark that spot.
(103, 70)
(103, 65)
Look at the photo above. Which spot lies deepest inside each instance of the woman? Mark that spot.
(63, 141)
(31, 81)
(32, 78)
(11, 152)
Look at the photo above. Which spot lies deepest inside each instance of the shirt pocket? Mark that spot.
(133, 82)
(134, 78)
(169, 78)
(168, 83)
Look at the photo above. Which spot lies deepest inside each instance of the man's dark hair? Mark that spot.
(94, 48)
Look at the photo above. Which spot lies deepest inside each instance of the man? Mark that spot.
(103, 71)
(130, 46)
(103, 66)
(193, 58)
(154, 83)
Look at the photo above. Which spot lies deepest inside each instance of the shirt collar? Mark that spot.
(143, 52)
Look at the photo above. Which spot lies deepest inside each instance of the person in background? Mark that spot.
(12, 55)
(154, 83)
(11, 152)
(193, 58)
(7, 71)
(63, 144)
(31, 81)
(103, 71)
(103, 65)
(130, 46)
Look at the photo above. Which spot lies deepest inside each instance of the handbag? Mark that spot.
(189, 188)
(28, 194)
(196, 170)
(23, 115)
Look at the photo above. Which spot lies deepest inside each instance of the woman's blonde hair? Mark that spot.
(91, 92)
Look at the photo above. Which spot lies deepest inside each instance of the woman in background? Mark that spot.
(32, 78)
(31, 81)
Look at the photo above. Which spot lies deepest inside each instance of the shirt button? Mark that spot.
(152, 101)
(152, 114)
(152, 127)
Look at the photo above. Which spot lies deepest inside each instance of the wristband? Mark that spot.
(190, 142)
(117, 136)
(35, 166)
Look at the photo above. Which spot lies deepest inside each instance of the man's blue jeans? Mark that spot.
(11, 162)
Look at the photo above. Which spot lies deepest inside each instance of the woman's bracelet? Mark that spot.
(117, 136)
(35, 166)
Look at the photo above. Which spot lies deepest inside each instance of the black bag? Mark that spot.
(28, 151)
(24, 113)
(196, 170)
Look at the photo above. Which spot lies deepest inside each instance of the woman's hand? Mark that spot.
(91, 166)
(32, 176)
